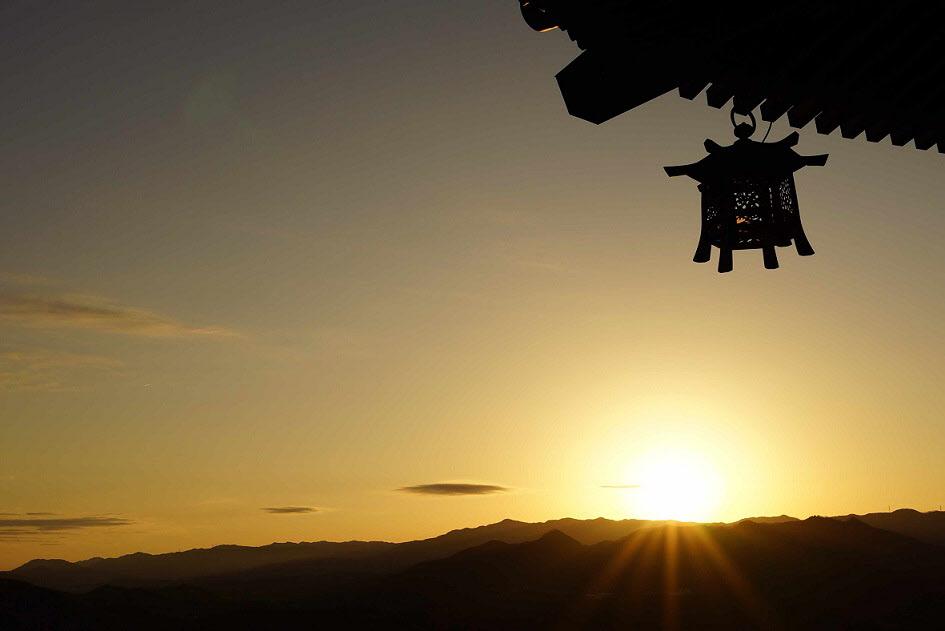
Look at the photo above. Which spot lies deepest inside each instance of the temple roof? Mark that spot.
(856, 67)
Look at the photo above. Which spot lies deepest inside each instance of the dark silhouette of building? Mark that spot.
(873, 68)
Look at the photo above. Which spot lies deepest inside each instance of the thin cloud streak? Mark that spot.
(290, 510)
(64, 523)
(41, 360)
(48, 371)
(25, 279)
(28, 528)
(95, 314)
(454, 489)
(619, 486)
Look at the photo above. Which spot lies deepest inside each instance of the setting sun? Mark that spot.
(676, 484)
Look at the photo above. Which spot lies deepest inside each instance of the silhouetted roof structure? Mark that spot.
(860, 67)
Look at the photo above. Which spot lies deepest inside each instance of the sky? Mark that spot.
(293, 271)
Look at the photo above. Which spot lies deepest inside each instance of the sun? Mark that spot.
(676, 484)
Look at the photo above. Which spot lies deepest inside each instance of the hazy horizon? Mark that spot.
(342, 270)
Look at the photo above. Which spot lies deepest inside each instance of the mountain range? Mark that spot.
(880, 570)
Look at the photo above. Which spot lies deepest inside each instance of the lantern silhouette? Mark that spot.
(749, 200)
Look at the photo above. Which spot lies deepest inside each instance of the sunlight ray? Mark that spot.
(671, 578)
(602, 585)
(749, 598)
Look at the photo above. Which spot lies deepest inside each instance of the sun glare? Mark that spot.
(676, 485)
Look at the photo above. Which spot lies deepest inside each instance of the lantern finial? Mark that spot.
(744, 130)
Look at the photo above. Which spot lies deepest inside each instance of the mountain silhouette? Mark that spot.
(766, 573)
(770, 577)
(768, 520)
(147, 569)
(141, 569)
(928, 527)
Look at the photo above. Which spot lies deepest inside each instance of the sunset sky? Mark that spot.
(280, 271)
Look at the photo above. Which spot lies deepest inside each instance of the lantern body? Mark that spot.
(749, 200)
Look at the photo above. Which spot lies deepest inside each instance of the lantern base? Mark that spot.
(703, 252)
(769, 253)
(725, 261)
(802, 244)
(771, 257)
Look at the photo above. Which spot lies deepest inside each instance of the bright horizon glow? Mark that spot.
(676, 484)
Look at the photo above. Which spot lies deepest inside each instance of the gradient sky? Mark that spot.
(302, 256)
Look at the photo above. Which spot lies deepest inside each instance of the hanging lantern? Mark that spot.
(749, 201)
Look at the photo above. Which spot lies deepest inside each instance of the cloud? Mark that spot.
(46, 371)
(619, 486)
(13, 381)
(290, 510)
(31, 526)
(454, 489)
(24, 279)
(95, 314)
(42, 359)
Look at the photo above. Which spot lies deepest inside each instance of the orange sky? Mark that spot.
(307, 258)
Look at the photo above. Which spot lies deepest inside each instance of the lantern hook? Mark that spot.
(770, 123)
(744, 130)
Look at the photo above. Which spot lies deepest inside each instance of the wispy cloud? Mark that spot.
(43, 359)
(48, 371)
(619, 486)
(13, 278)
(31, 526)
(20, 382)
(448, 488)
(290, 510)
(96, 314)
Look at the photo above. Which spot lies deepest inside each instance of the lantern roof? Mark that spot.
(747, 158)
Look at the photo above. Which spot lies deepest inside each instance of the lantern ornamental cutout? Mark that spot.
(748, 197)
